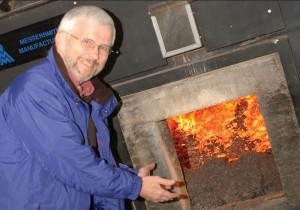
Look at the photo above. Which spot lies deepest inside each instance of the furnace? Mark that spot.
(225, 153)
(257, 88)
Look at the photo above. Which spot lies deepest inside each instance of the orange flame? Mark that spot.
(221, 131)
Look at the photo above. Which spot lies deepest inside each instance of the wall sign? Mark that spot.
(28, 43)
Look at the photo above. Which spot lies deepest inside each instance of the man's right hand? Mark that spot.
(157, 189)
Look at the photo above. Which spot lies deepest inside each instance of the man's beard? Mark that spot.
(77, 74)
(82, 78)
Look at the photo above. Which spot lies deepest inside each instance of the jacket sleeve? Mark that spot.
(126, 167)
(40, 117)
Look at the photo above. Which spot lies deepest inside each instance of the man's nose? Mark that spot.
(95, 52)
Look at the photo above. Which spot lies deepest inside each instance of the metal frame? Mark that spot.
(166, 12)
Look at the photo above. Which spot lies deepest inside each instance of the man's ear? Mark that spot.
(60, 40)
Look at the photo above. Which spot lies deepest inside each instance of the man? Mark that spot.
(46, 156)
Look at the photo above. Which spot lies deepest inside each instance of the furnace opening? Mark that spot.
(223, 131)
(225, 153)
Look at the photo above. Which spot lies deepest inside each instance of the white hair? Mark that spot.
(93, 13)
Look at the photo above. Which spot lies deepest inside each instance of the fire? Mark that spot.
(221, 131)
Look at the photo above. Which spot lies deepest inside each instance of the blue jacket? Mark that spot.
(46, 161)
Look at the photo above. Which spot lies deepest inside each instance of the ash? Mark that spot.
(218, 183)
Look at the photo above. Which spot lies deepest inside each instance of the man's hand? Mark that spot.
(146, 170)
(157, 189)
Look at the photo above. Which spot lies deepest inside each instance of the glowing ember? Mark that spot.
(222, 131)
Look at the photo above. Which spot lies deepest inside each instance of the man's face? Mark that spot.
(86, 63)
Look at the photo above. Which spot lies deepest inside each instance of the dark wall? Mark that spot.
(291, 15)
(224, 23)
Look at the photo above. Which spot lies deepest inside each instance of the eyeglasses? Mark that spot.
(89, 44)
